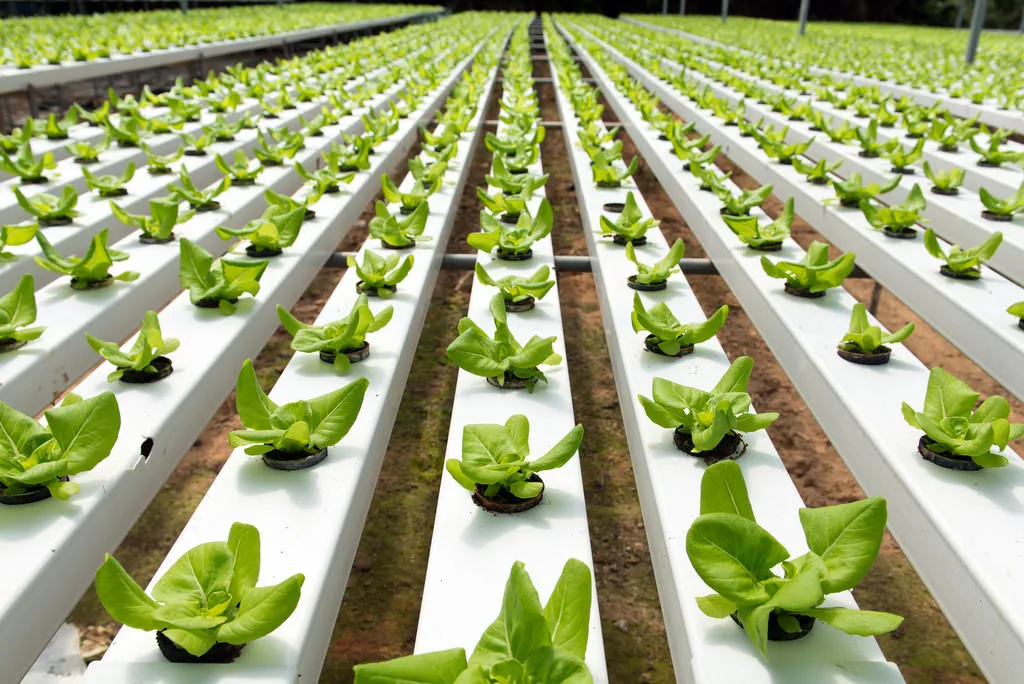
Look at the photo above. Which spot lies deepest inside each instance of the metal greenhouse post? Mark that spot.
(183, 5)
(977, 23)
(664, 6)
(725, 10)
(1021, 17)
(682, 12)
(805, 6)
(960, 11)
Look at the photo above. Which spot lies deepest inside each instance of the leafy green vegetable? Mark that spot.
(864, 338)
(516, 288)
(993, 156)
(396, 231)
(109, 186)
(86, 153)
(87, 271)
(816, 173)
(223, 281)
(954, 426)
(762, 235)
(852, 191)
(208, 596)
(277, 229)
(630, 225)
(347, 334)
(13, 235)
(26, 166)
(965, 263)
(735, 557)
(947, 182)
(707, 416)
(149, 345)
(606, 174)
(741, 204)
(325, 180)
(660, 271)
(158, 164)
(200, 200)
(296, 428)
(513, 240)
(1016, 310)
(380, 275)
(501, 358)
(409, 201)
(896, 218)
(667, 332)
(50, 210)
(164, 215)
(17, 310)
(242, 171)
(814, 273)
(997, 207)
(902, 159)
(526, 643)
(78, 435)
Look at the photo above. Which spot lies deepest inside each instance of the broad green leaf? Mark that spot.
(723, 490)
(733, 556)
(847, 537)
(440, 667)
(857, 622)
(123, 598)
(335, 413)
(263, 610)
(568, 609)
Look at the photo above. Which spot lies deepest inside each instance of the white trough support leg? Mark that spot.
(472, 550)
(959, 529)
(59, 553)
(309, 521)
(703, 649)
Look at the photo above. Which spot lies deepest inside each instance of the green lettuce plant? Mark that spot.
(762, 236)
(207, 597)
(945, 182)
(897, 218)
(659, 272)
(298, 428)
(26, 166)
(14, 235)
(902, 158)
(270, 234)
(864, 338)
(109, 185)
(89, 271)
(952, 425)
(160, 164)
(994, 157)
(819, 173)
(88, 153)
(707, 417)
(337, 339)
(78, 435)
(814, 273)
(606, 174)
(852, 191)
(513, 240)
(1014, 310)
(667, 334)
(17, 310)
(242, 170)
(379, 275)
(53, 128)
(741, 204)
(272, 152)
(149, 346)
(49, 210)
(736, 558)
(395, 231)
(158, 225)
(962, 263)
(502, 359)
(199, 200)
(528, 642)
(630, 226)
(517, 289)
(408, 201)
(217, 284)
(998, 209)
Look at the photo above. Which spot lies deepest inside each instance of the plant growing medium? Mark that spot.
(654, 277)
(957, 435)
(15, 235)
(18, 310)
(48, 209)
(396, 232)
(296, 435)
(493, 466)
(764, 237)
(109, 186)
(708, 424)
(513, 242)
(199, 200)
(217, 284)
(87, 272)
(666, 335)
(897, 220)
(379, 275)
(998, 209)
(206, 607)
(270, 234)
(852, 191)
(502, 360)
(528, 642)
(146, 361)
(519, 293)
(342, 342)
(814, 274)
(945, 182)
(37, 461)
(157, 227)
(630, 227)
(736, 558)
(962, 264)
(865, 343)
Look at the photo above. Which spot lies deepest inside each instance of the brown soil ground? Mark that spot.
(380, 611)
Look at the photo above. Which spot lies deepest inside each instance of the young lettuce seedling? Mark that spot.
(146, 361)
(430, 175)
(409, 201)
(630, 227)
(395, 232)
(945, 182)
(865, 343)
(36, 461)
(355, 157)
(242, 171)
(549, 645)
(158, 226)
(48, 209)
(217, 284)
(741, 204)
(844, 541)
(200, 200)
(956, 435)
(814, 274)
(295, 435)
(667, 335)
(17, 310)
(58, 129)
(326, 180)
(606, 174)
(992, 156)
(502, 359)
(962, 264)
(379, 276)
(1014, 310)
(109, 186)
(819, 173)
(708, 423)
(273, 152)
(997, 209)
(269, 235)
(513, 243)
(207, 606)
(86, 153)
(519, 293)
(26, 166)
(852, 191)
(902, 159)
(650, 278)
(897, 220)
(160, 165)
(513, 183)
(494, 466)
(342, 342)
(710, 180)
(764, 237)
(87, 272)
(14, 235)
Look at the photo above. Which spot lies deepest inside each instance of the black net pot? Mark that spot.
(950, 461)
(279, 460)
(163, 367)
(505, 501)
(220, 652)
